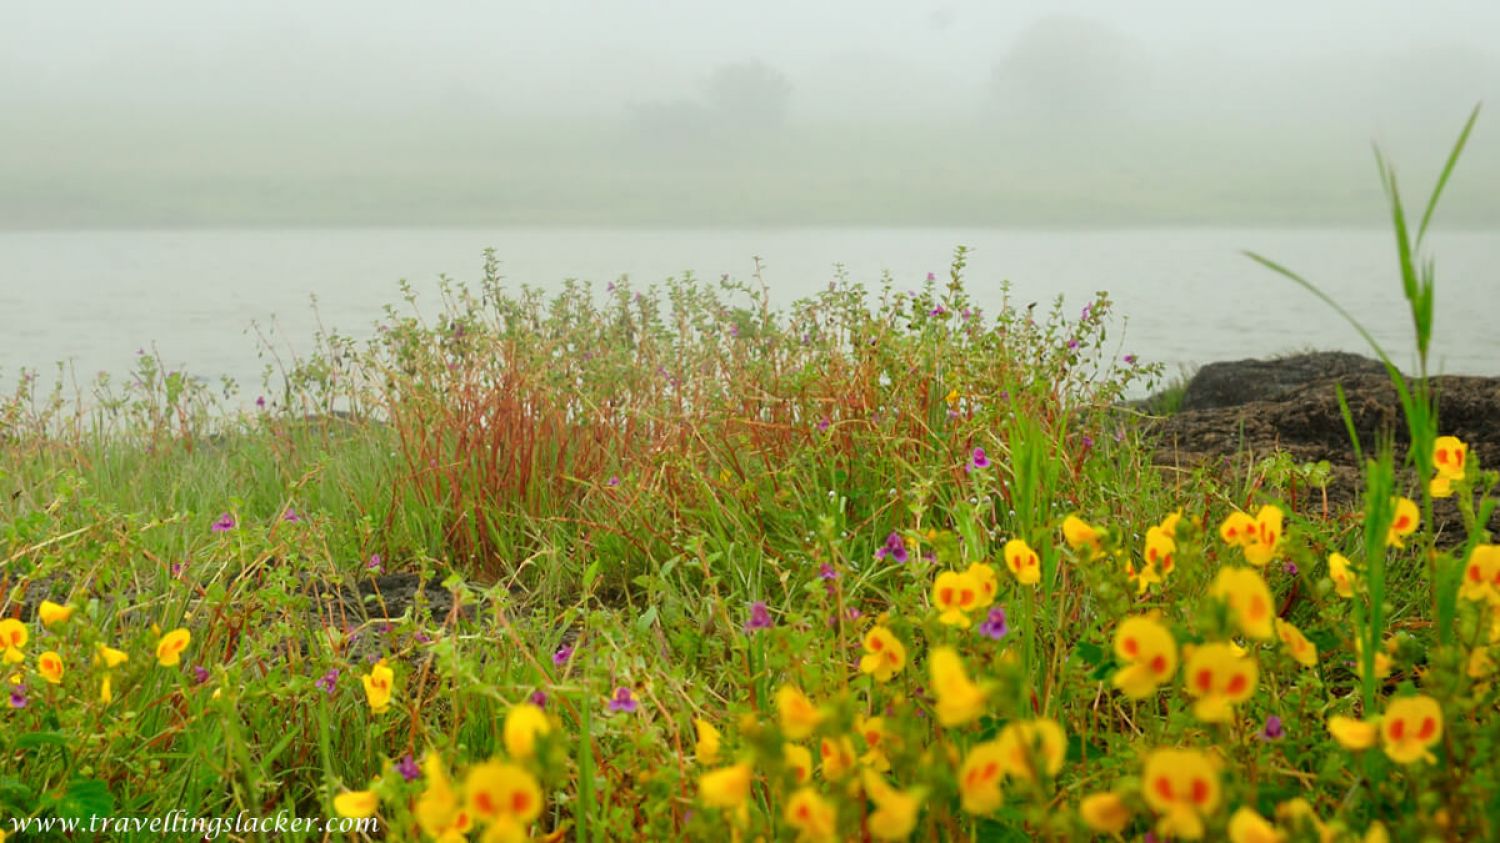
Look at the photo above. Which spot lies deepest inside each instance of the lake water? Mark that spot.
(92, 298)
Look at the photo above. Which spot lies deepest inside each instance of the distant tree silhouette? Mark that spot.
(750, 94)
(1067, 69)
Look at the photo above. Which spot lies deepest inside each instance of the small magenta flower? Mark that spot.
(176, 570)
(826, 572)
(995, 626)
(1130, 359)
(823, 424)
(937, 311)
(931, 277)
(374, 563)
(623, 701)
(328, 681)
(18, 696)
(563, 655)
(979, 460)
(1088, 442)
(539, 698)
(1291, 568)
(291, 516)
(894, 548)
(224, 524)
(408, 768)
(614, 480)
(760, 617)
(200, 674)
(1273, 730)
(260, 402)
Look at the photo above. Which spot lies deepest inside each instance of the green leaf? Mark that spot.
(32, 740)
(84, 798)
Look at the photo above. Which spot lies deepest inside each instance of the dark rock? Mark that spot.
(1305, 421)
(1231, 384)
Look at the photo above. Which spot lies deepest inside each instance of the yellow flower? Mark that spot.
(815, 818)
(955, 595)
(872, 729)
(1298, 813)
(1023, 562)
(1032, 746)
(1298, 647)
(1247, 826)
(885, 656)
(50, 666)
(106, 692)
(799, 717)
(1149, 654)
(1238, 529)
(1259, 537)
(379, 684)
(838, 757)
(438, 810)
(726, 787)
(959, 700)
(989, 584)
(1352, 733)
(895, 814)
(13, 636)
(1161, 550)
(524, 723)
(1249, 600)
(1376, 833)
(1219, 678)
(1480, 664)
(798, 762)
(952, 397)
(1144, 578)
(1082, 537)
(498, 791)
(357, 804)
(1182, 787)
(1340, 570)
(979, 778)
(1449, 455)
(169, 648)
(1482, 574)
(1410, 727)
(1104, 813)
(1382, 660)
(1404, 523)
(709, 741)
(110, 657)
(51, 613)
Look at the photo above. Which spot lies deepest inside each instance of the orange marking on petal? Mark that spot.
(1163, 787)
(1238, 683)
(1429, 728)
(1200, 791)
(1205, 680)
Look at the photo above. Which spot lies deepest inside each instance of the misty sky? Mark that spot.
(227, 112)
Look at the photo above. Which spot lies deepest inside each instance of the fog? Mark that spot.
(1058, 113)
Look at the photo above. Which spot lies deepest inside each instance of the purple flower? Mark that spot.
(1130, 359)
(1087, 309)
(224, 524)
(894, 548)
(1088, 441)
(200, 674)
(614, 480)
(176, 569)
(18, 696)
(374, 563)
(539, 699)
(1290, 567)
(823, 424)
(995, 626)
(979, 460)
(937, 311)
(931, 277)
(328, 681)
(291, 516)
(623, 701)
(1273, 729)
(408, 768)
(760, 617)
(563, 655)
(1073, 344)
(826, 572)
(260, 402)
